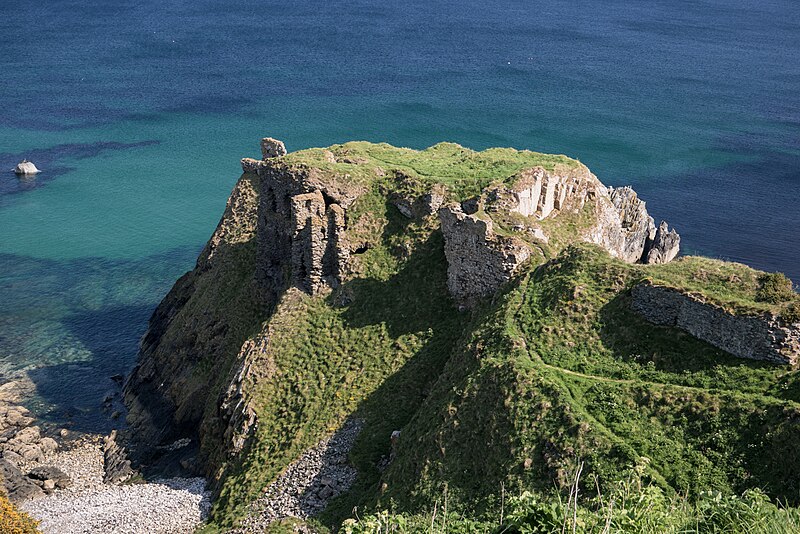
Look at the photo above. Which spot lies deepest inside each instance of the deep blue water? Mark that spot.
(139, 112)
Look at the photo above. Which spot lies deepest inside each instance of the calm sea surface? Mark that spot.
(139, 111)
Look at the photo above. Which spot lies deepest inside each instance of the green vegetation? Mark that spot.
(554, 388)
(555, 374)
(374, 357)
(775, 288)
(629, 507)
(734, 286)
(464, 171)
(561, 372)
(12, 521)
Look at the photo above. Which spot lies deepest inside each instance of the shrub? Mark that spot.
(791, 313)
(12, 521)
(531, 514)
(775, 288)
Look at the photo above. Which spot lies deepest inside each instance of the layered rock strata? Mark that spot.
(757, 337)
(540, 203)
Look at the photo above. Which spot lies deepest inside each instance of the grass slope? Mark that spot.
(554, 373)
(464, 171)
(561, 373)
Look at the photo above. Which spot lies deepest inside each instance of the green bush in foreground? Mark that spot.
(629, 507)
(12, 521)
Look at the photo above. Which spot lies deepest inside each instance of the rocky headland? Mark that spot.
(359, 283)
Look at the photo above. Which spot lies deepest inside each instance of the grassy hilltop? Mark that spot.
(552, 385)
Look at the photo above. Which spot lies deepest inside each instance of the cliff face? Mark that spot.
(536, 214)
(185, 355)
(339, 280)
(301, 228)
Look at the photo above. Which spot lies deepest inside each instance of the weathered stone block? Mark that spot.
(478, 260)
(272, 148)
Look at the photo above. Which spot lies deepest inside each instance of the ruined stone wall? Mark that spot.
(301, 228)
(478, 260)
(761, 337)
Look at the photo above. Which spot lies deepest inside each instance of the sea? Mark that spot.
(138, 113)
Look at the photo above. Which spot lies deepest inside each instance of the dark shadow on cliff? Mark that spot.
(415, 300)
(663, 349)
(409, 300)
(192, 341)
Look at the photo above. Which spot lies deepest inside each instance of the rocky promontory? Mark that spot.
(355, 282)
(298, 221)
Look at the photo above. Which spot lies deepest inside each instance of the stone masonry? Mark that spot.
(757, 337)
(478, 260)
(301, 225)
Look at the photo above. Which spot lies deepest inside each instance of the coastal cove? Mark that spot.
(138, 117)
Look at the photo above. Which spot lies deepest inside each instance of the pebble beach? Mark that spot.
(90, 506)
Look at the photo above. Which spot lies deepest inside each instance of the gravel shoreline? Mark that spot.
(89, 506)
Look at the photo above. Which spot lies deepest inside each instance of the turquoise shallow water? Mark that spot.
(138, 113)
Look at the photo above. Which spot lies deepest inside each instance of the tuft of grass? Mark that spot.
(630, 505)
(736, 287)
(775, 288)
(791, 313)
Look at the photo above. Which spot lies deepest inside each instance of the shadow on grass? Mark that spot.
(671, 355)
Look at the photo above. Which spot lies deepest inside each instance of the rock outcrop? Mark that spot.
(544, 211)
(664, 247)
(301, 225)
(168, 392)
(757, 337)
(294, 224)
(636, 228)
(22, 444)
(26, 167)
(293, 220)
(417, 205)
(272, 148)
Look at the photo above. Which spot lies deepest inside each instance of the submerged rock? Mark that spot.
(26, 167)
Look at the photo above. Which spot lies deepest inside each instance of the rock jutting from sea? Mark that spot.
(26, 167)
